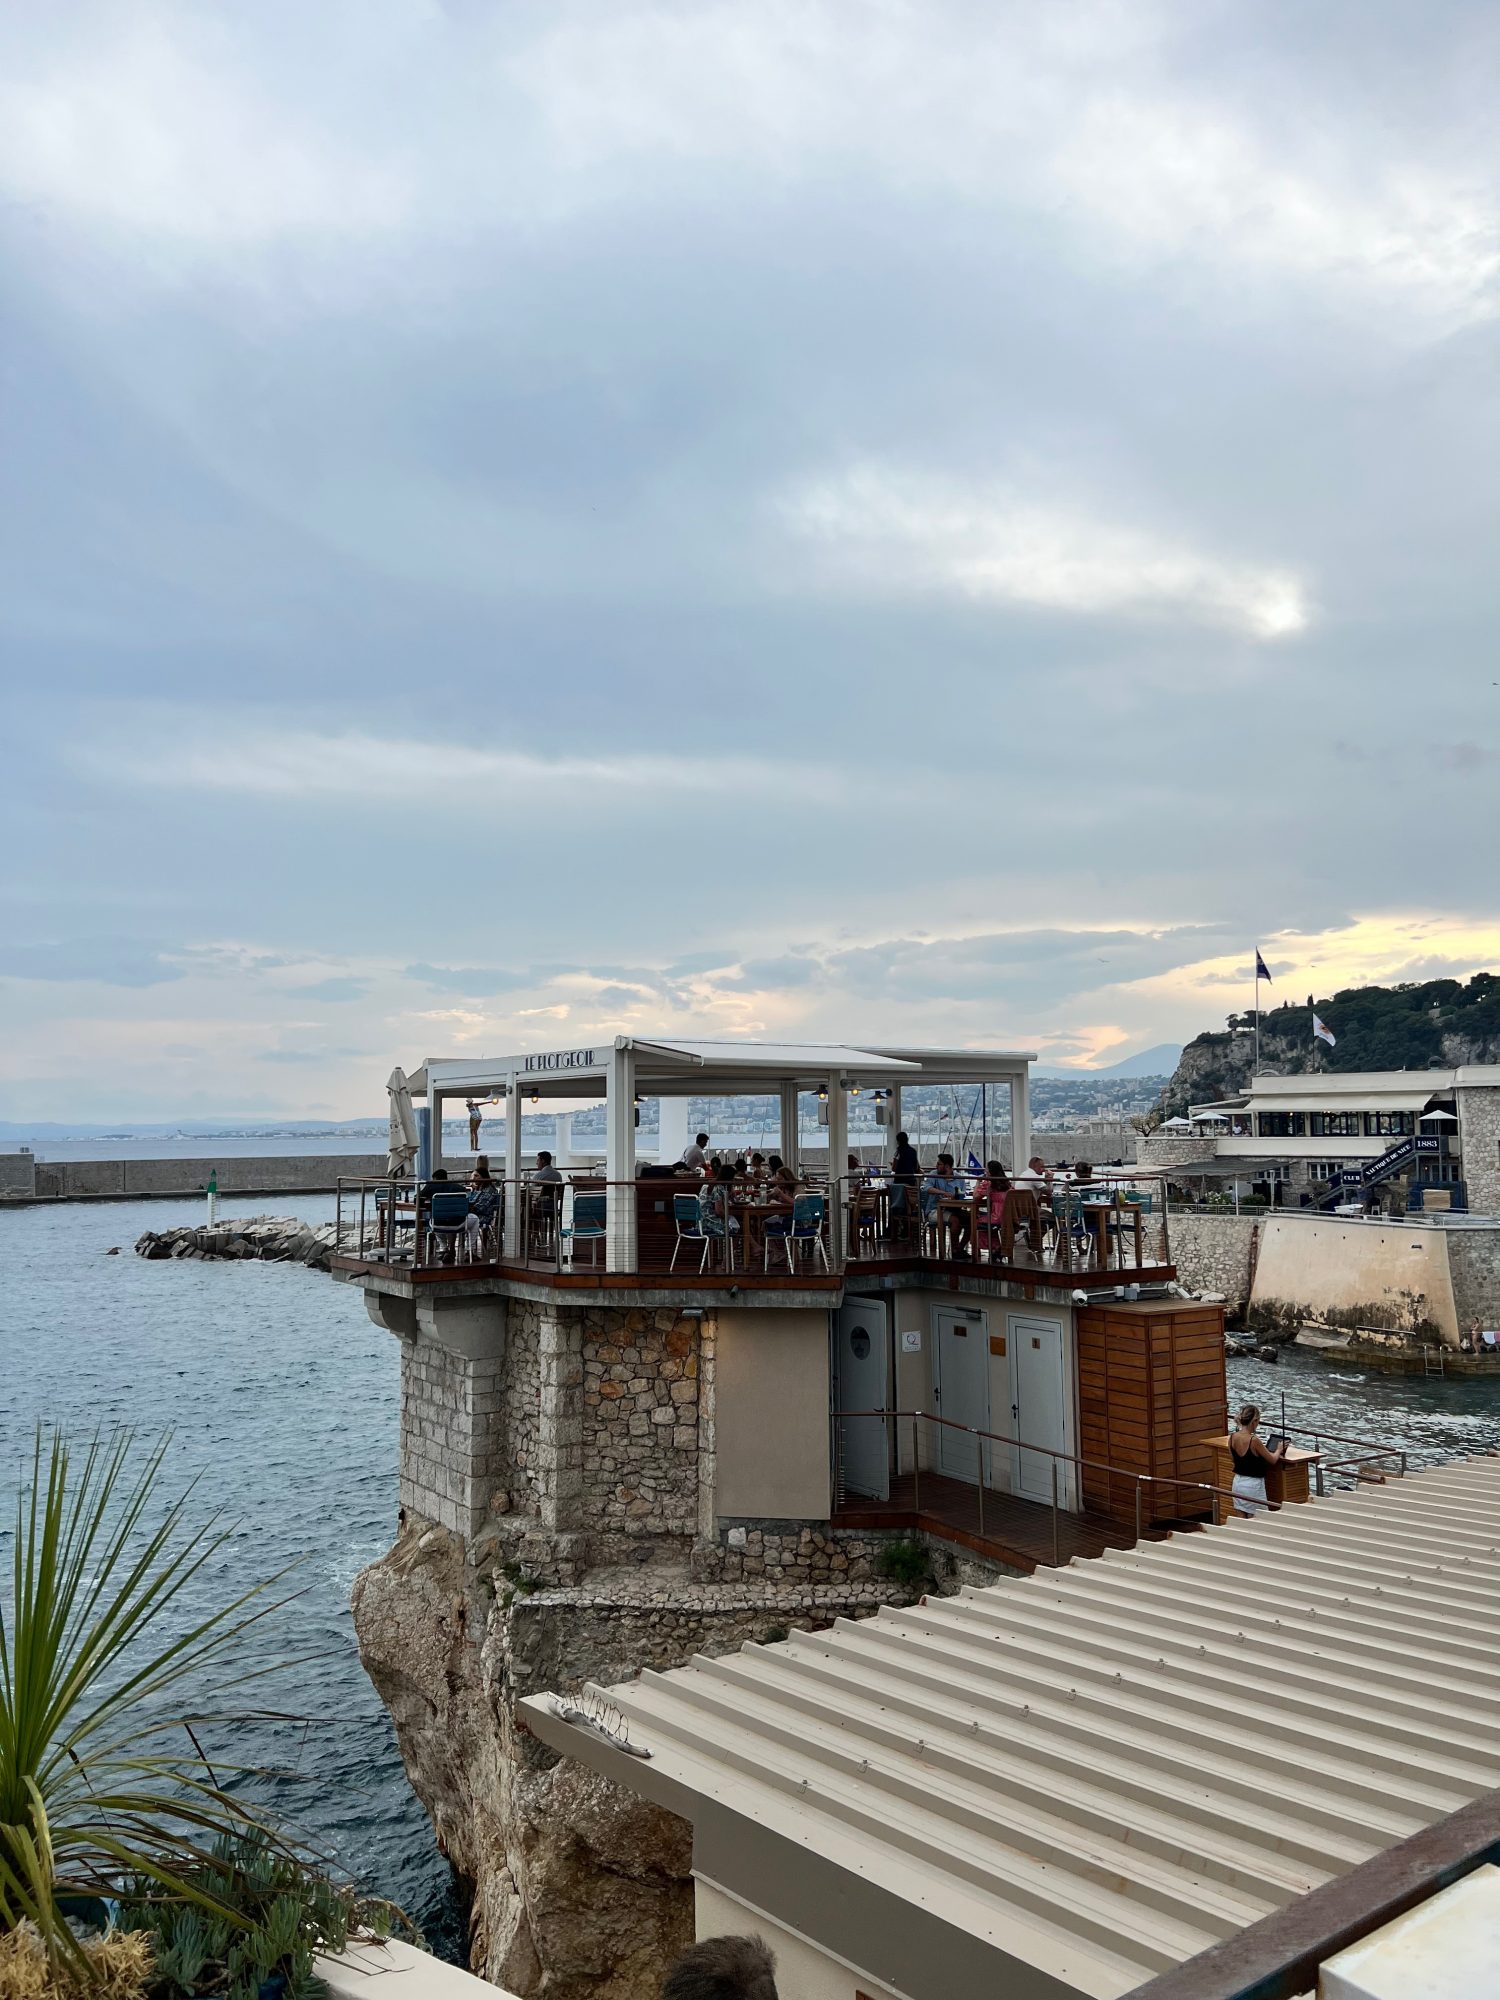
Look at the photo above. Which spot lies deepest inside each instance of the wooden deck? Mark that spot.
(998, 1525)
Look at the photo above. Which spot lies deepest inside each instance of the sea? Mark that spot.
(282, 1403)
(281, 1400)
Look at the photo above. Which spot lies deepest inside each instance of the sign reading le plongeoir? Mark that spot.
(561, 1059)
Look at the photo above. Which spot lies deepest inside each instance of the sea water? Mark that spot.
(283, 1402)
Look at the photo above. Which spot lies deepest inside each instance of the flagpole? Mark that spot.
(1255, 1071)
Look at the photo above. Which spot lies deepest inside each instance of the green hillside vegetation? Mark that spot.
(1431, 1024)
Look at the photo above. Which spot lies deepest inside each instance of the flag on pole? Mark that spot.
(1322, 1034)
(1260, 968)
(975, 1166)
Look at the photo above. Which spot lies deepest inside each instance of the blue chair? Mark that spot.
(589, 1218)
(447, 1220)
(688, 1217)
(802, 1227)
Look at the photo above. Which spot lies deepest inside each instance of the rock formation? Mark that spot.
(277, 1239)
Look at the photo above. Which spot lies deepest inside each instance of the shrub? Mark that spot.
(905, 1562)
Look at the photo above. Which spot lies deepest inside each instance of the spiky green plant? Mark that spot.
(99, 1781)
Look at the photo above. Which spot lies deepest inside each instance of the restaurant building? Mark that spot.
(1330, 1134)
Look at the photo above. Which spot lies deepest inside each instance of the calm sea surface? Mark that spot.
(285, 1398)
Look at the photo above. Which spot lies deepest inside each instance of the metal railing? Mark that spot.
(1063, 1467)
(684, 1227)
(1368, 1453)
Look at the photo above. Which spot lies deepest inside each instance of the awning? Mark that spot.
(1247, 1167)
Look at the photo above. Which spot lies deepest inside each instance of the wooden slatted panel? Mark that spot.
(1151, 1386)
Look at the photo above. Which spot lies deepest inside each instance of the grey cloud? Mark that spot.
(341, 987)
(468, 979)
(110, 961)
(307, 1056)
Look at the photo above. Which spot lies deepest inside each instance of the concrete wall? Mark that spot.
(772, 1415)
(1374, 1274)
(17, 1173)
(124, 1180)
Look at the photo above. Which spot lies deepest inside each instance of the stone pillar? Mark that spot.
(452, 1368)
(1479, 1148)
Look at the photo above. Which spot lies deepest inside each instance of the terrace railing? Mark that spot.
(683, 1228)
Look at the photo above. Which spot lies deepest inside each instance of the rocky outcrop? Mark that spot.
(580, 1890)
(273, 1239)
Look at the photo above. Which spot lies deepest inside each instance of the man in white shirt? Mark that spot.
(694, 1157)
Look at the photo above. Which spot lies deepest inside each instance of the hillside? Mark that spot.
(1433, 1025)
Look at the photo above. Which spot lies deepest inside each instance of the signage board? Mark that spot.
(560, 1062)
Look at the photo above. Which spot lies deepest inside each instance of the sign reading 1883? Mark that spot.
(562, 1059)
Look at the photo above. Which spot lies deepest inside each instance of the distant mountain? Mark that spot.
(1158, 1061)
(1436, 1024)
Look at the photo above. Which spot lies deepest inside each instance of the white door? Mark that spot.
(862, 1344)
(963, 1392)
(1038, 1402)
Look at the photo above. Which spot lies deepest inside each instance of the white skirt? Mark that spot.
(1249, 1495)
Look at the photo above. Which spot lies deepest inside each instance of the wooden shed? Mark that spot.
(1151, 1388)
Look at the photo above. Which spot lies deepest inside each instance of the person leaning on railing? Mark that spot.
(1251, 1462)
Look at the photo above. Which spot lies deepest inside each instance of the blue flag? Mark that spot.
(1260, 968)
(974, 1165)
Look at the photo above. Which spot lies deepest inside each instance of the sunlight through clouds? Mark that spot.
(882, 528)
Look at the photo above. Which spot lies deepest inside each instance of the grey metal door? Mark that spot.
(862, 1348)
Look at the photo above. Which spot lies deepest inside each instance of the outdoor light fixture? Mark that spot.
(536, 1097)
(822, 1093)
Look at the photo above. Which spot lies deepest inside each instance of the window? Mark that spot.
(1388, 1124)
(1279, 1124)
(1334, 1124)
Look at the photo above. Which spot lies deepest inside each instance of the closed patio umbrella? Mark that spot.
(402, 1145)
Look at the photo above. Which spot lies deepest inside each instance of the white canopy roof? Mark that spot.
(704, 1068)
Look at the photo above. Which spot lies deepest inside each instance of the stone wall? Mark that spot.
(642, 1378)
(1213, 1250)
(127, 1180)
(1159, 1150)
(1474, 1265)
(1479, 1142)
(452, 1450)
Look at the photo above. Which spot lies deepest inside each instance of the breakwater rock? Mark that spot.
(270, 1239)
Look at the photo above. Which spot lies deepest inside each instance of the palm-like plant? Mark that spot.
(93, 1788)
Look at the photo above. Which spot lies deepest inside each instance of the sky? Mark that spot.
(924, 523)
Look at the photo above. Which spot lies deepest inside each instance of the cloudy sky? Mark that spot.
(935, 522)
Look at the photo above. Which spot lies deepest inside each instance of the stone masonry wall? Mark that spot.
(1479, 1141)
(1212, 1250)
(1158, 1150)
(643, 1380)
(452, 1449)
(1474, 1266)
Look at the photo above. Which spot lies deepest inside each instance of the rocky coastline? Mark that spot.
(269, 1239)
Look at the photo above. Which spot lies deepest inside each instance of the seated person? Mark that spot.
(992, 1194)
(782, 1186)
(758, 1168)
(546, 1173)
(546, 1186)
(943, 1183)
(715, 1202)
(486, 1205)
(438, 1184)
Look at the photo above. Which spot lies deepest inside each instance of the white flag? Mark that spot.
(1323, 1034)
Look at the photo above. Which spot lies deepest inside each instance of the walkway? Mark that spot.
(1018, 1533)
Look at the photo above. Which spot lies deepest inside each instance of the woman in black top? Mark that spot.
(1251, 1462)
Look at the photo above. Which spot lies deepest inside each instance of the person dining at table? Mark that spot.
(990, 1198)
(486, 1207)
(716, 1206)
(940, 1186)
